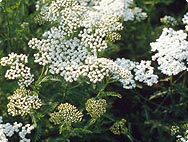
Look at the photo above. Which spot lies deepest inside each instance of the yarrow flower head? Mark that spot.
(8, 130)
(22, 102)
(18, 69)
(171, 51)
(119, 127)
(169, 20)
(71, 48)
(96, 108)
(67, 114)
(139, 14)
(142, 72)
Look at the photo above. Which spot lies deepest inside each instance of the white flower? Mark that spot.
(18, 69)
(185, 21)
(171, 51)
(138, 14)
(8, 130)
(144, 73)
(169, 20)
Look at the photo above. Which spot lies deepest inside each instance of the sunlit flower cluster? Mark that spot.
(106, 8)
(18, 69)
(71, 48)
(8, 130)
(22, 102)
(66, 114)
(171, 50)
(67, 13)
(96, 108)
(119, 127)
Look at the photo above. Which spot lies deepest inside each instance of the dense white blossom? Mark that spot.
(171, 51)
(107, 8)
(71, 48)
(18, 69)
(144, 72)
(97, 68)
(8, 130)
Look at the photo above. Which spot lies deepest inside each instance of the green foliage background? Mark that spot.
(149, 111)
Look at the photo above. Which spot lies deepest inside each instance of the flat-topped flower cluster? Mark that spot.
(8, 130)
(22, 102)
(18, 69)
(71, 49)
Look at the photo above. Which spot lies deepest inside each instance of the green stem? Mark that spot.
(183, 74)
(104, 86)
(43, 72)
(91, 122)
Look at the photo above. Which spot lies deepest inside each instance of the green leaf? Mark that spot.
(157, 95)
(111, 94)
(38, 133)
(80, 131)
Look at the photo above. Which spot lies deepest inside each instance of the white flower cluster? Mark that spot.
(98, 68)
(68, 13)
(71, 48)
(171, 51)
(124, 74)
(169, 20)
(139, 14)
(22, 102)
(185, 21)
(18, 69)
(8, 130)
(106, 8)
(142, 72)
